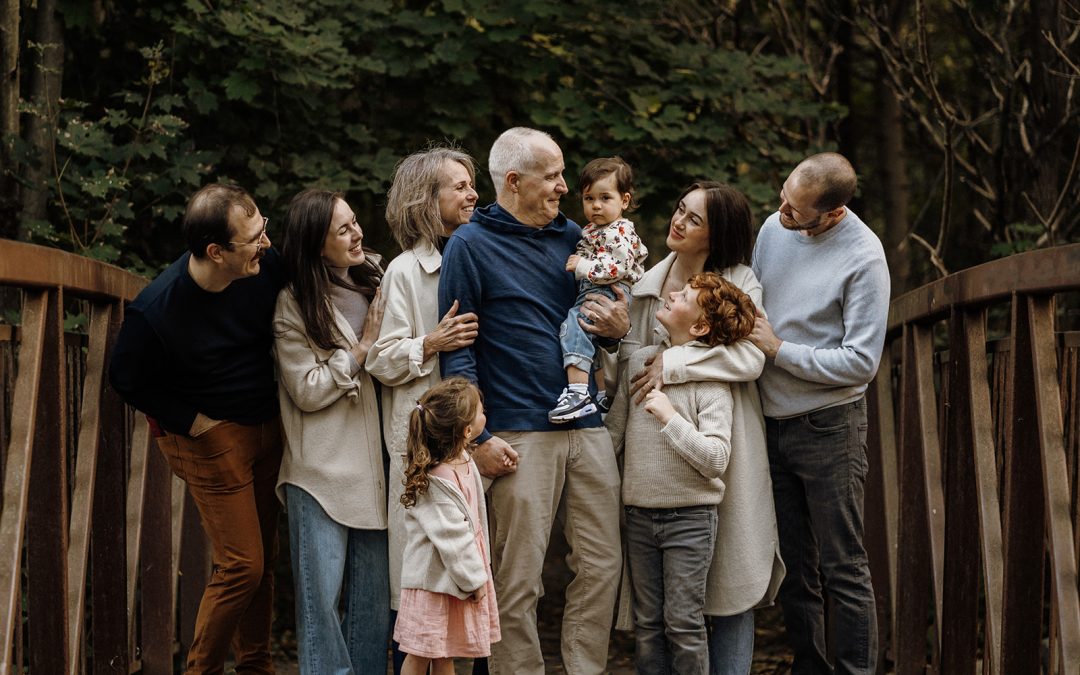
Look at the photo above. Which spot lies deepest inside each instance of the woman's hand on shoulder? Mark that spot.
(453, 332)
(610, 318)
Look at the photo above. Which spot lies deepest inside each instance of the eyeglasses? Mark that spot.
(258, 240)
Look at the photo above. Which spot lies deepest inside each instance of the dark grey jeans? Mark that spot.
(670, 551)
(818, 465)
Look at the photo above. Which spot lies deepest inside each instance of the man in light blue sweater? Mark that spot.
(826, 294)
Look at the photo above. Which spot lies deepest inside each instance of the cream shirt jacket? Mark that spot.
(410, 287)
(333, 446)
(746, 568)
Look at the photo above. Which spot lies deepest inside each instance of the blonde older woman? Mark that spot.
(432, 194)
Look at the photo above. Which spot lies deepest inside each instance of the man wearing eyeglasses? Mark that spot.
(193, 354)
(825, 289)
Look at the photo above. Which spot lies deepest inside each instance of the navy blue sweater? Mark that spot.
(183, 350)
(513, 276)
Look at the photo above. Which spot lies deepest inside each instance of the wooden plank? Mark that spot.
(933, 481)
(43, 267)
(158, 627)
(881, 498)
(47, 508)
(915, 550)
(179, 492)
(1040, 271)
(111, 636)
(136, 493)
(17, 470)
(972, 512)
(82, 499)
(1065, 596)
(1024, 523)
(194, 570)
(981, 429)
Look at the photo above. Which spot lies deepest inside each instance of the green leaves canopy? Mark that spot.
(279, 96)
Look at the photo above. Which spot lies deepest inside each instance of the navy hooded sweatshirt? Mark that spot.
(514, 278)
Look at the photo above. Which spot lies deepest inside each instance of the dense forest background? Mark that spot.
(961, 116)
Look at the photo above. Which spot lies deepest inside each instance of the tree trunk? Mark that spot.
(846, 131)
(1048, 103)
(46, 79)
(9, 113)
(892, 167)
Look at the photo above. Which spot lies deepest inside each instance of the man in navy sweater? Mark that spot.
(194, 355)
(508, 266)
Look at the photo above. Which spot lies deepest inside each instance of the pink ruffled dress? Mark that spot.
(437, 625)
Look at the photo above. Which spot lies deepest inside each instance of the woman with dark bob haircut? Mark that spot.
(711, 231)
(332, 478)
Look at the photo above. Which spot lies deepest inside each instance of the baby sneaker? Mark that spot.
(571, 406)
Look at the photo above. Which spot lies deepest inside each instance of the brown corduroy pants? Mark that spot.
(231, 472)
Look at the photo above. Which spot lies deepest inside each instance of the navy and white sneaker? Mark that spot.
(572, 405)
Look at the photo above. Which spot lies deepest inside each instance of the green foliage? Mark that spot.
(1020, 237)
(115, 164)
(279, 96)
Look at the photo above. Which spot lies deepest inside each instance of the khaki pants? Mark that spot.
(572, 474)
(231, 471)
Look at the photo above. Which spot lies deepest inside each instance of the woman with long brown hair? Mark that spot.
(332, 477)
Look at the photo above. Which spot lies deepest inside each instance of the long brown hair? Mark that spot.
(307, 222)
(437, 431)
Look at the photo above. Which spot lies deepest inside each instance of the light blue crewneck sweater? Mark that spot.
(827, 297)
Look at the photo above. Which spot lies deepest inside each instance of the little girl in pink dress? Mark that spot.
(447, 606)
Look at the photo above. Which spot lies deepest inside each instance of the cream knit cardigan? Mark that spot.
(440, 539)
(746, 569)
(330, 417)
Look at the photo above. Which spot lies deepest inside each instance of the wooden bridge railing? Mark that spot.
(972, 508)
(90, 516)
(972, 513)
